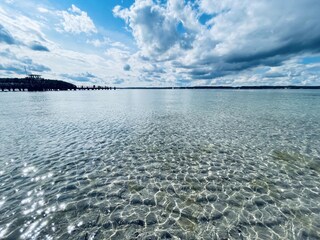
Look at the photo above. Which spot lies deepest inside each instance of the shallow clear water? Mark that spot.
(148, 164)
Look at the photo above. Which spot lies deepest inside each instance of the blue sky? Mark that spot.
(99, 11)
(162, 43)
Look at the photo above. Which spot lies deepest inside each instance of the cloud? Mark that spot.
(43, 10)
(118, 81)
(19, 68)
(35, 67)
(106, 42)
(99, 42)
(274, 75)
(12, 69)
(126, 67)
(154, 30)
(236, 36)
(82, 77)
(118, 55)
(5, 36)
(16, 64)
(159, 28)
(76, 21)
(36, 46)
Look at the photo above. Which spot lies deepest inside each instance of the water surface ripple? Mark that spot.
(160, 164)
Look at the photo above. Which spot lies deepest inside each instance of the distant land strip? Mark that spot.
(228, 87)
(35, 83)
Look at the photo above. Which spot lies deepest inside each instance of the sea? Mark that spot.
(160, 164)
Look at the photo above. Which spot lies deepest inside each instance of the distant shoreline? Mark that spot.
(39, 84)
(227, 87)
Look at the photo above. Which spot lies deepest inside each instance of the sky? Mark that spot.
(162, 43)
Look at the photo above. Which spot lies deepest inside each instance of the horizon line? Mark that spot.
(232, 87)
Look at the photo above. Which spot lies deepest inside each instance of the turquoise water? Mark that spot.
(150, 164)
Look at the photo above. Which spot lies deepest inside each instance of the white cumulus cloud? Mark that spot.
(76, 21)
(153, 28)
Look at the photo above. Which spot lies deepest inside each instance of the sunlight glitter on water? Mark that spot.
(4, 230)
(27, 170)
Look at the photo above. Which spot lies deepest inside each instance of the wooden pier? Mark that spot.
(96, 88)
(10, 89)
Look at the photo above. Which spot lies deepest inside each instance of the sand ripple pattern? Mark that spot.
(179, 164)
